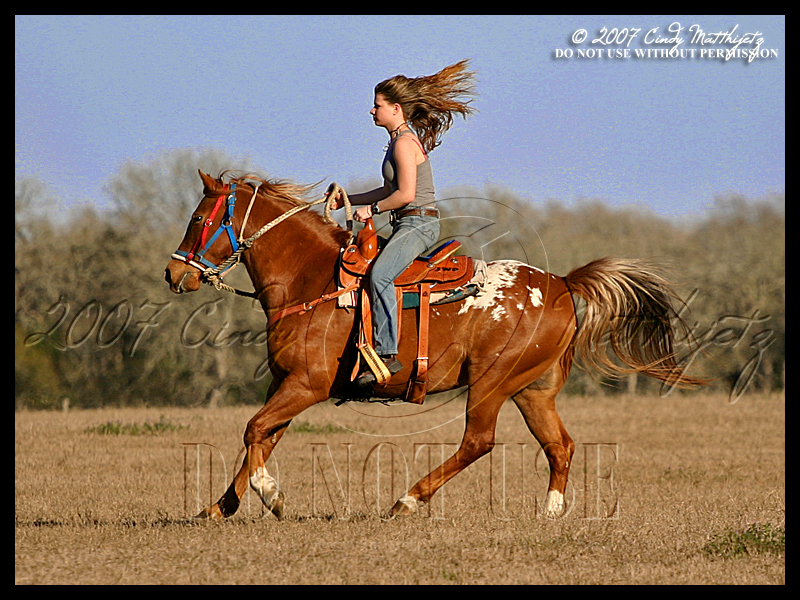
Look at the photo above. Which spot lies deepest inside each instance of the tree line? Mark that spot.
(95, 324)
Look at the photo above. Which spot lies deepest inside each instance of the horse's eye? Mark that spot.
(197, 218)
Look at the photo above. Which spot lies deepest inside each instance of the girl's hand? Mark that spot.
(339, 201)
(362, 213)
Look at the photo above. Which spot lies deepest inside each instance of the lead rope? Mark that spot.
(214, 276)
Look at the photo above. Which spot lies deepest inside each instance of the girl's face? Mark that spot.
(385, 114)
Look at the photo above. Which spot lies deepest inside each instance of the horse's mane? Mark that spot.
(284, 190)
(295, 194)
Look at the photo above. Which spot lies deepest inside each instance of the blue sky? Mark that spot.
(293, 94)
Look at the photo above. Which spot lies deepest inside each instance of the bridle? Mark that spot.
(213, 274)
(196, 256)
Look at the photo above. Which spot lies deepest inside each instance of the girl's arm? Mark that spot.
(369, 197)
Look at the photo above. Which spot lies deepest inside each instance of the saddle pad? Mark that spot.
(411, 299)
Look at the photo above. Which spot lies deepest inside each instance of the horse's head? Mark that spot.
(209, 238)
(211, 247)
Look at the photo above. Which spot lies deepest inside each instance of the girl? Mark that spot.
(415, 112)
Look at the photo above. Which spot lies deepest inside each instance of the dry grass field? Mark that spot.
(662, 491)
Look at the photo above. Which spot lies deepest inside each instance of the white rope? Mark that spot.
(213, 276)
(247, 213)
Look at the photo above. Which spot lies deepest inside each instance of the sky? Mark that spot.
(566, 108)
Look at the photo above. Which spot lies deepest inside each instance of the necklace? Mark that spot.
(392, 135)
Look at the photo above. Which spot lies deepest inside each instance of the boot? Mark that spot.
(367, 378)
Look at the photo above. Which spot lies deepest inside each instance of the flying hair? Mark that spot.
(430, 101)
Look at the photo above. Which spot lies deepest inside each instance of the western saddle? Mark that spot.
(438, 271)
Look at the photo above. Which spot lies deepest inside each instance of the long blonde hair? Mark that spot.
(430, 101)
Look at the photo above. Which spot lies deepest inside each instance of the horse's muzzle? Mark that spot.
(181, 277)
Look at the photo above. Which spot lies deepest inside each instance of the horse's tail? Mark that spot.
(629, 307)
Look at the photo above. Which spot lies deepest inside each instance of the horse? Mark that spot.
(516, 339)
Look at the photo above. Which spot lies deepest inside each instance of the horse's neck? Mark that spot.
(294, 262)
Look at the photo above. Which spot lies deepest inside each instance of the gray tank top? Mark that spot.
(425, 191)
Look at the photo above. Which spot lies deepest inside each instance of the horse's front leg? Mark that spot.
(261, 481)
(263, 433)
(253, 472)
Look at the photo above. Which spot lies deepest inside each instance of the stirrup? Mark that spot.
(377, 368)
(380, 373)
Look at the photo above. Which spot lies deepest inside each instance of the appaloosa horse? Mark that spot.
(516, 339)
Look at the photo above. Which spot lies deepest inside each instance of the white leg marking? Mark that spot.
(554, 504)
(409, 502)
(265, 486)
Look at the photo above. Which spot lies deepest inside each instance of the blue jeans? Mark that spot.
(411, 236)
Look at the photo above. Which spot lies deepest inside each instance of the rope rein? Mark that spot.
(213, 276)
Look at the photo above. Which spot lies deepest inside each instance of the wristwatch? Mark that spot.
(375, 209)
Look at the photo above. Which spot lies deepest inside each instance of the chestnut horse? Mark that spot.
(516, 339)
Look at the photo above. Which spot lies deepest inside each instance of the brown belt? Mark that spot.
(416, 212)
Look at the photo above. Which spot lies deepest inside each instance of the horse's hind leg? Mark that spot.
(482, 410)
(537, 403)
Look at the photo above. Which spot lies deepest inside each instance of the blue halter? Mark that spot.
(226, 226)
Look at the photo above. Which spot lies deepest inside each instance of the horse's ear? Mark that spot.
(209, 183)
(206, 178)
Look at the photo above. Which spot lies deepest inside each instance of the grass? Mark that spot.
(306, 427)
(108, 507)
(758, 538)
(146, 428)
(688, 475)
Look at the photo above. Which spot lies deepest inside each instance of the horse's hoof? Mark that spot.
(212, 513)
(407, 505)
(278, 505)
